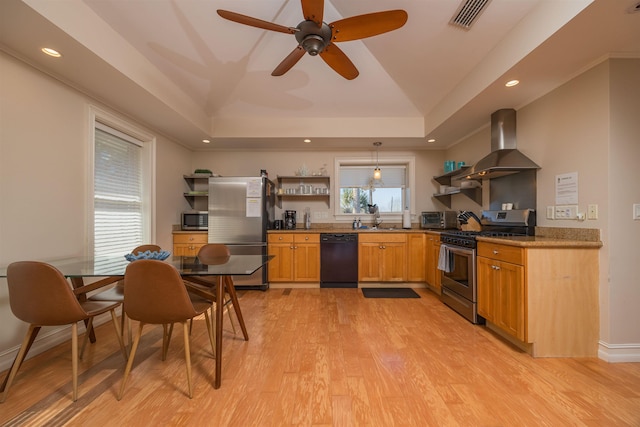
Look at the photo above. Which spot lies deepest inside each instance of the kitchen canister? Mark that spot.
(449, 166)
(460, 165)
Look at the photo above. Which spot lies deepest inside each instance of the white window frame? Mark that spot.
(127, 131)
(408, 162)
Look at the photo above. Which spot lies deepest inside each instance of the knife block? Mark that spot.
(471, 225)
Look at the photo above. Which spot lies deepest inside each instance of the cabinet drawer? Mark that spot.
(307, 238)
(382, 237)
(279, 238)
(190, 238)
(504, 253)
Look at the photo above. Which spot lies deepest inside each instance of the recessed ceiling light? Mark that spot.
(512, 83)
(51, 52)
(431, 140)
(206, 141)
(307, 140)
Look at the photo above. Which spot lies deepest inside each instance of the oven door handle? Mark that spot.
(458, 250)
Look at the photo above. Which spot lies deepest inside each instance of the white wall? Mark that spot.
(624, 191)
(44, 128)
(230, 163)
(590, 126)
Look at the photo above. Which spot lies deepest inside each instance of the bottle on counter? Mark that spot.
(355, 224)
(359, 224)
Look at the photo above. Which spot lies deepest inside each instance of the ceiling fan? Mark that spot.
(316, 37)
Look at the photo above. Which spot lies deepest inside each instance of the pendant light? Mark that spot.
(377, 174)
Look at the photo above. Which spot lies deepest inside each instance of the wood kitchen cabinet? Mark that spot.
(432, 274)
(297, 257)
(501, 297)
(382, 257)
(188, 244)
(546, 298)
(416, 257)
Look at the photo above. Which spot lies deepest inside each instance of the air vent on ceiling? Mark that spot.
(468, 12)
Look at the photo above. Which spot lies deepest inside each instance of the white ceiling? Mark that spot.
(182, 69)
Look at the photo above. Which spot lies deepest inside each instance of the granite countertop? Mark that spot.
(546, 237)
(541, 242)
(349, 230)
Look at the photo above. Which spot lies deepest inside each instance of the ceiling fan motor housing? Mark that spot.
(313, 39)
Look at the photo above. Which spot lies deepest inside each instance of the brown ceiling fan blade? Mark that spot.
(341, 64)
(313, 10)
(370, 24)
(289, 61)
(255, 22)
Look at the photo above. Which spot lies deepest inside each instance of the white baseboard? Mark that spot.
(619, 353)
(49, 338)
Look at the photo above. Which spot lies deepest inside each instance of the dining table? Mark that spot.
(110, 269)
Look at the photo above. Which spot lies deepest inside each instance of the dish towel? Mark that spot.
(445, 259)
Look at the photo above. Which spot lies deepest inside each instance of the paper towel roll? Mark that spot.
(406, 219)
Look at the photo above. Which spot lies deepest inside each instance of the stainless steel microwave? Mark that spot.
(439, 219)
(195, 220)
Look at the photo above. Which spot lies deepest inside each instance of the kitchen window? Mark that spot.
(121, 191)
(357, 188)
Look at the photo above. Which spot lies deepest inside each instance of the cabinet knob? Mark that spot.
(306, 238)
(495, 252)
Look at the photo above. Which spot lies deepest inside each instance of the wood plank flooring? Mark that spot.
(328, 357)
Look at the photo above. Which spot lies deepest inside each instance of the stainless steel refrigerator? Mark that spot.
(241, 210)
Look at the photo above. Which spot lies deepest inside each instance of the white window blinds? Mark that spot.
(360, 176)
(118, 184)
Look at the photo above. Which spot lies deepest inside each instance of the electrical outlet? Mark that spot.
(550, 212)
(592, 212)
(566, 212)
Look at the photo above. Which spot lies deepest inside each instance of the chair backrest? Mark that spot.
(214, 253)
(144, 248)
(40, 294)
(155, 293)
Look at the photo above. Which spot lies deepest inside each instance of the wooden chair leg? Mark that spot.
(74, 356)
(167, 330)
(233, 325)
(187, 356)
(24, 348)
(87, 335)
(127, 370)
(118, 333)
(207, 320)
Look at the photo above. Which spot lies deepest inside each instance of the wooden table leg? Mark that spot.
(32, 338)
(231, 290)
(218, 326)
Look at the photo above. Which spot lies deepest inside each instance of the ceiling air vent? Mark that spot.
(467, 13)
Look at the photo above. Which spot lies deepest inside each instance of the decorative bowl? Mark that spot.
(159, 255)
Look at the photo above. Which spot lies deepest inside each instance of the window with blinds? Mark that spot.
(118, 192)
(358, 188)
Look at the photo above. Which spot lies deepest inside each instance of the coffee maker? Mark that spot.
(289, 220)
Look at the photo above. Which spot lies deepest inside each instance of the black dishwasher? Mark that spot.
(338, 260)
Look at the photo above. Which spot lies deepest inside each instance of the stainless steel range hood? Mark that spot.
(504, 159)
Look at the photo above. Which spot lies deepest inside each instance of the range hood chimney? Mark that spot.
(504, 159)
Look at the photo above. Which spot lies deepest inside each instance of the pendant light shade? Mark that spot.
(377, 174)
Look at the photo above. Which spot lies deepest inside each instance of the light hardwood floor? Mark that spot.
(326, 357)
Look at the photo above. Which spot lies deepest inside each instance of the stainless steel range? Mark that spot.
(457, 260)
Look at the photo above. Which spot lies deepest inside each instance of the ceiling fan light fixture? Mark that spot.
(313, 44)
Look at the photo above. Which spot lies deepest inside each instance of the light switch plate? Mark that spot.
(550, 212)
(636, 211)
(592, 212)
(566, 212)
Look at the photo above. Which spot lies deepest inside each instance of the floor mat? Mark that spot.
(389, 293)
